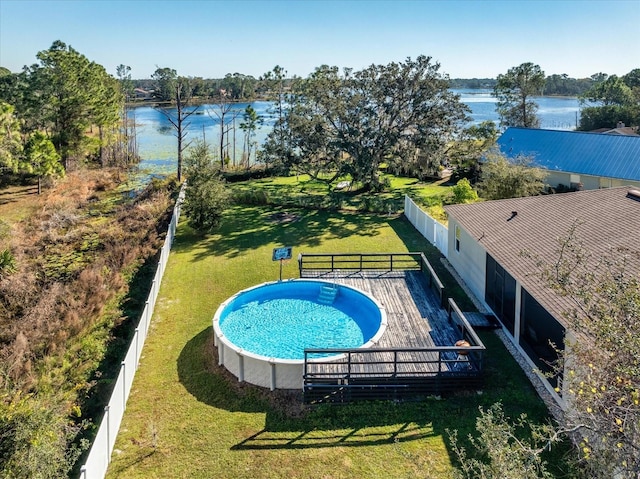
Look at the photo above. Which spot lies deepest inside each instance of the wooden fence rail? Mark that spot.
(399, 373)
(314, 264)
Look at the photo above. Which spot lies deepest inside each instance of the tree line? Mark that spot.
(65, 110)
(241, 87)
(60, 112)
(554, 85)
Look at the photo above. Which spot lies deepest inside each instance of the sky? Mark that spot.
(209, 38)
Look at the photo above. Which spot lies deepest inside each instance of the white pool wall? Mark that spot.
(274, 373)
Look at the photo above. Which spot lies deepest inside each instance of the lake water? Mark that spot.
(157, 141)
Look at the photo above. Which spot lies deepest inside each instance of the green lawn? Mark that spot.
(303, 191)
(187, 418)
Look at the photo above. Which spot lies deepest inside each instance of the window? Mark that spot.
(575, 182)
(457, 238)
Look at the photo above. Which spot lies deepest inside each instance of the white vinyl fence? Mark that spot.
(435, 232)
(99, 456)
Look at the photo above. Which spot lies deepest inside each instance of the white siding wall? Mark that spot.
(588, 182)
(613, 183)
(470, 262)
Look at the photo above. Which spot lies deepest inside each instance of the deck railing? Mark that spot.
(342, 375)
(399, 374)
(395, 373)
(318, 263)
(358, 363)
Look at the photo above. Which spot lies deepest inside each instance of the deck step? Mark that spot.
(328, 294)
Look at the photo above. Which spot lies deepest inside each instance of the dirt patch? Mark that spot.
(283, 217)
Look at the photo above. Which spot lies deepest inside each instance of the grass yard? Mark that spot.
(18, 202)
(186, 418)
(303, 191)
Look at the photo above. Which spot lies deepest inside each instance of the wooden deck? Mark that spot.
(416, 355)
(415, 318)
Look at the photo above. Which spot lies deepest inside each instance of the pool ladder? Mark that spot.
(328, 294)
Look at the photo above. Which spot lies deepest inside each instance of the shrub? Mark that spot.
(7, 263)
(206, 196)
(506, 448)
(34, 434)
(510, 178)
(254, 197)
(463, 192)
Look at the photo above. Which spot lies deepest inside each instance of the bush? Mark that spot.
(7, 263)
(206, 196)
(510, 178)
(34, 435)
(255, 197)
(505, 448)
(463, 192)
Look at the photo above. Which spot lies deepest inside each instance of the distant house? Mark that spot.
(620, 129)
(579, 160)
(142, 94)
(485, 245)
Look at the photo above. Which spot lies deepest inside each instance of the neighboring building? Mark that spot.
(486, 245)
(141, 94)
(578, 160)
(620, 129)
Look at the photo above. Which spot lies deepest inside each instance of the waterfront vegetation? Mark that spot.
(187, 417)
(80, 256)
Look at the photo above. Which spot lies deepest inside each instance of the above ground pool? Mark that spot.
(262, 332)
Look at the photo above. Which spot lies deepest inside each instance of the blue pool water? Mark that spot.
(280, 320)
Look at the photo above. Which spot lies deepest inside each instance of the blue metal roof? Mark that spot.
(596, 154)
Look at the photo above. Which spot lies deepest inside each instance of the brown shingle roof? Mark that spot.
(606, 219)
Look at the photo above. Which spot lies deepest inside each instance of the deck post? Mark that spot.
(395, 364)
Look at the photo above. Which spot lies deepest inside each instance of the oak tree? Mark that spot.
(350, 123)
